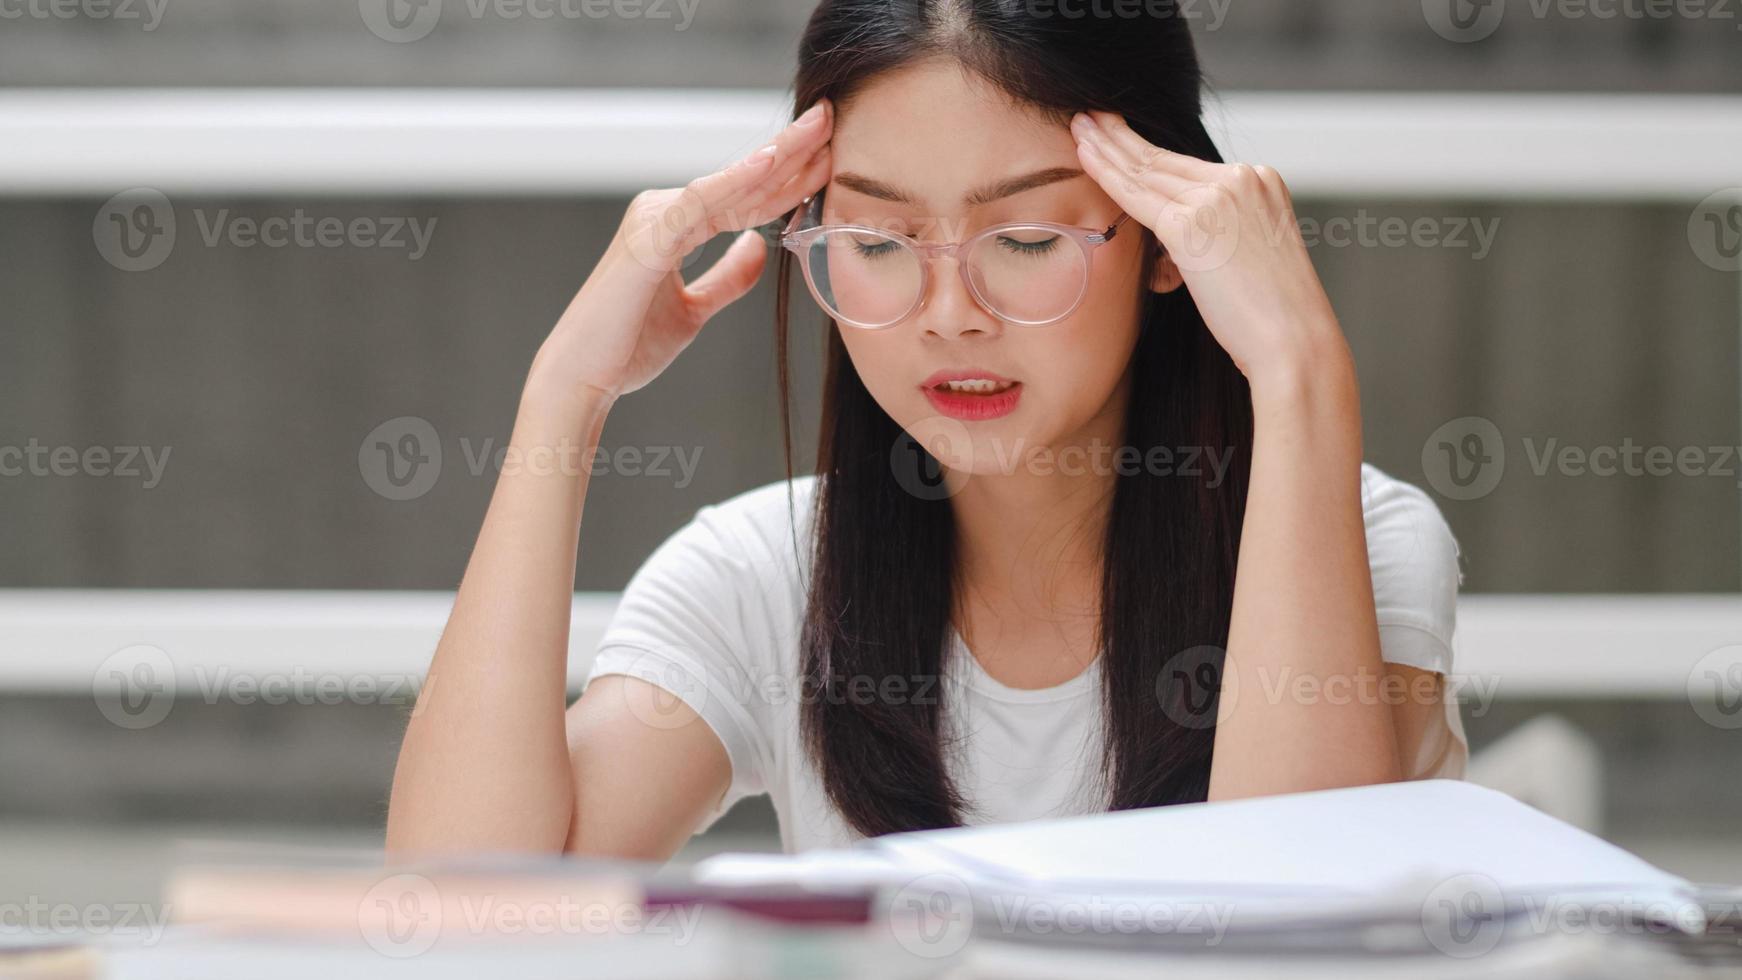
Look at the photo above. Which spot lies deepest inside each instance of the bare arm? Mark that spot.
(484, 765)
(1301, 704)
(676, 768)
(1303, 593)
(491, 761)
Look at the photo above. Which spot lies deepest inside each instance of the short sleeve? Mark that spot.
(1416, 574)
(687, 623)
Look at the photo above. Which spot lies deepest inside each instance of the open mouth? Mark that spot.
(972, 396)
(980, 387)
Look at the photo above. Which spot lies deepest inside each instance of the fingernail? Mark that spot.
(812, 116)
(1081, 124)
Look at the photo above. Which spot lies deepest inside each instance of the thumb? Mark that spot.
(732, 276)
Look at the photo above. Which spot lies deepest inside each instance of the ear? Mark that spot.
(1166, 277)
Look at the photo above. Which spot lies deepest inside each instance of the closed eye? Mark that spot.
(1020, 247)
(875, 249)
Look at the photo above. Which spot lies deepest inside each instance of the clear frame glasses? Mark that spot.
(1030, 273)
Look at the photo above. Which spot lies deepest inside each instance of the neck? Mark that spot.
(1031, 541)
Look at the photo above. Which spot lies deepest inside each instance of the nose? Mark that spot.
(950, 310)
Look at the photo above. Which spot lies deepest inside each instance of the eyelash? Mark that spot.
(876, 251)
(1029, 248)
(1008, 244)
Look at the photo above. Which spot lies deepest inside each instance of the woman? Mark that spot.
(1090, 529)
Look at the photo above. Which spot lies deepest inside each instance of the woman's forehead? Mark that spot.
(967, 170)
(934, 99)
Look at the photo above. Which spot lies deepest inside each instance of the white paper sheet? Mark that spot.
(1393, 845)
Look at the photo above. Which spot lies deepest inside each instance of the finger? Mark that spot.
(683, 220)
(803, 152)
(774, 198)
(1136, 165)
(1275, 187)
(789, 151)
(752, 206)
(731, 277)
(1118, 131)
(1141, 200)
(802, 185)
(1197, 228)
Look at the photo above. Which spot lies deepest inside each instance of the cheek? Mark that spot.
(1077, 373)
(880, 360)
(1087, 354)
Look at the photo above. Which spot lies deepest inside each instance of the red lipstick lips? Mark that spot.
(972, 395)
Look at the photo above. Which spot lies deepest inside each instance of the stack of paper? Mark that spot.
(1445, 856)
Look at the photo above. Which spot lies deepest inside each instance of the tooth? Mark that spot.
(978, 387)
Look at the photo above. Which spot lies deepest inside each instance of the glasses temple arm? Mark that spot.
(1111, 232)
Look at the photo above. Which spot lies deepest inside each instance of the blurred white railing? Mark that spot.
(58, 640)
(497, 142)
(503, 142)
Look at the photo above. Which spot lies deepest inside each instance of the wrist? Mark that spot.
(553, 403)
(1316, 371)
(1319, 388)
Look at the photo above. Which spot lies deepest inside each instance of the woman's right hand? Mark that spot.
(635, 313)
(486, 766)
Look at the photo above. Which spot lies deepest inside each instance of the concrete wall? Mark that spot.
(263, 373)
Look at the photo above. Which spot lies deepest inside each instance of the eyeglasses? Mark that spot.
(1030, 273)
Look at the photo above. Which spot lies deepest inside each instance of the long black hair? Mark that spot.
(884, 583)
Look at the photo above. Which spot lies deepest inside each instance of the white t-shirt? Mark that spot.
(715, 613)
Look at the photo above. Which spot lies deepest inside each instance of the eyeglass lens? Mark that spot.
(1023, 275)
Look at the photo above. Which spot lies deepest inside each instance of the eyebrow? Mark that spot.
(995, 191)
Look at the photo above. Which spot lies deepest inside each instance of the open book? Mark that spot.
(1431, 851)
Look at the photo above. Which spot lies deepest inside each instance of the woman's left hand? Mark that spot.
(1231, 231)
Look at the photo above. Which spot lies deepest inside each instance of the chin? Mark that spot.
(981, 449)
